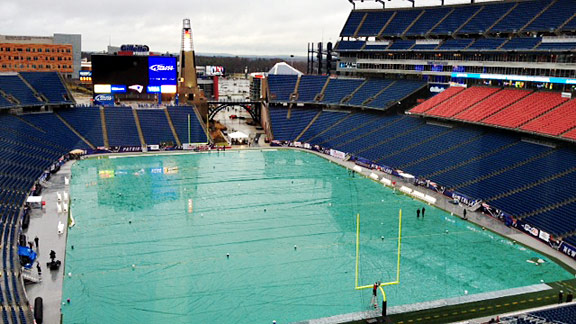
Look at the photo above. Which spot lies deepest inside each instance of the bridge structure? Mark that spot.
(253, 107)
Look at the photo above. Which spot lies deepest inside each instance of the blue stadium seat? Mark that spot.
(487, 17)
(401, 21)
(374, 22)
(430, 18)
(155, 127)
(522, 43)
(281, 86)
(13, 85)
(310, 86)
(396, 92)
(86, 121)
(4, 103)
(368, 90)
(553, 17)
(326, 120)
(121, 127)
(337, 89)
(59, 132)
(50, 85)
(352, 23)
(424, 47)
(484, 44)
(458, 17)
(520, 16)
(557, 46)
(180, 116)
(401, 45)
(349, 46)
(376, 46)
(455, 44)
(285, 129)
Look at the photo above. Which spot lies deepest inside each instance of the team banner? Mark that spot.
(363, 162)
(568, 249)
(471, 203)
(388, 170)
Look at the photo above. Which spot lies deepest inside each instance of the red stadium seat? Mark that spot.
(437, 99)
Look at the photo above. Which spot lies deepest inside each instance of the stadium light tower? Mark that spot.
(353, 2)
(188, 90)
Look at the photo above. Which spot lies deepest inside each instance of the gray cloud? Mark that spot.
(266, 27)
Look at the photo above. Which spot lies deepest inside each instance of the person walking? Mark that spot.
(423, 211)
(39, 269)
(418, 213)
(36, 240)
(375, 294)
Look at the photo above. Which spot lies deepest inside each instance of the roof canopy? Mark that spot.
(284, 69)
(237, 135)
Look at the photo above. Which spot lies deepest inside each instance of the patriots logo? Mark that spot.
(136, 87)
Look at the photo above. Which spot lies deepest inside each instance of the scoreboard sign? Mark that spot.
(134, 74)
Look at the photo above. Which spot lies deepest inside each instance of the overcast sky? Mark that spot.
(241, 27)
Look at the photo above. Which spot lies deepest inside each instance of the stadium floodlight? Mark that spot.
(353, 2)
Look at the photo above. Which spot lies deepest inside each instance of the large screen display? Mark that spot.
(161, 70)
(134, 74)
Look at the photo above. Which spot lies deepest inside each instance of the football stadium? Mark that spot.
(427, 176)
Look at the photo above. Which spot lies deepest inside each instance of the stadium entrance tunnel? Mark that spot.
(253, 108)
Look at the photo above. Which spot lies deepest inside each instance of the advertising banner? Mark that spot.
(214, 70)
(104, 100)
(338, 154)
(117, 88)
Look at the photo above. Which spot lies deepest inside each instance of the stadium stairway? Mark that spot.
(405, 132)
(463, 163)
(498, 172)
(531, 185)
(172, 128)
(348, 97)
(327, 129)
(40, 97)
(320, 96)
(308, 126)
(138, 127)
(415, 145)
(497, 102)
(104, 128)
(463, 101)
(371, 99)
(436, 100)
(442, 152)
(553, 2)
(347, 132)
(294, 94)
(72, 129)
(366, 135)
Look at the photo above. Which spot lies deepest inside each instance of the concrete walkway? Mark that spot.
(44, 225)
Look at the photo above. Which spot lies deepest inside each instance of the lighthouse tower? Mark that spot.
(188, 90)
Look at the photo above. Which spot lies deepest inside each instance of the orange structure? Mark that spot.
(36, 57)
